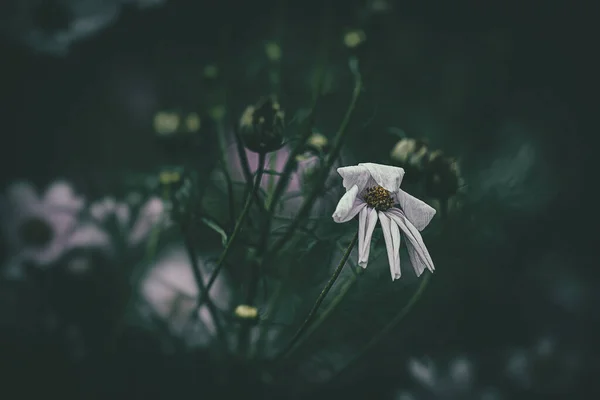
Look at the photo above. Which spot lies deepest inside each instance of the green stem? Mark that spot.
(189, 246)
(323, 173)
(225, 167)
(388, 328)
(288, 349)
(236, 230)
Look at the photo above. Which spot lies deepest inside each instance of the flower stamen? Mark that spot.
(379, 198)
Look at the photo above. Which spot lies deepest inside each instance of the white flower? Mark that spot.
(170, 289)
(134, 230)
(38, 228)
(372, 191)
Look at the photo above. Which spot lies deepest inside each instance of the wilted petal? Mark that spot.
(386, 176)
(355, 175)
(418, 253)
(366, 226)
(418, 212)
(391, 235)
(348, 206)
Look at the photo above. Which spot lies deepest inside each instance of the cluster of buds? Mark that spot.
(262, 125)
(439, 173)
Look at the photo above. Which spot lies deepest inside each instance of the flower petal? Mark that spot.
(348, 206)
(418, 212)
(366, 226)
(417, 252)
(386, 176)
(60, 194)
(355, 175)
(391, 235)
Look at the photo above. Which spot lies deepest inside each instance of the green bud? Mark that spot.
(261, 126)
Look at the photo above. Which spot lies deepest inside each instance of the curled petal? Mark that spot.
(418, 212)
(348, 206)
(366, 226)
(391, 235)
(356, 175)
(417, 252)
(386, 176)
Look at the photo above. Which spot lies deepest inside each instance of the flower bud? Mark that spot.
(246, 313)
(410, 154)
(442, 177)
(317, 144)
(261, 126)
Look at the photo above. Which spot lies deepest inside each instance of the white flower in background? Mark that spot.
(456, 381)
(298, 184)
(134, 230)
(372, 192)
(38, 228)
(171, 290)
(547, 366)
(51, 26)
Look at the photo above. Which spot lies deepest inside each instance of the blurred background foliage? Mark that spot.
(500, 86)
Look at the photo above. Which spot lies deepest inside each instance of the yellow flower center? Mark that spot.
(379, 198)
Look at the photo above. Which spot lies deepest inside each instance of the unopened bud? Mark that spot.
(166, 123)
(192, 122)
(168, 177)
(246, 312)
(353, 38)
(261, 126)
(410, 154)
(442, 178)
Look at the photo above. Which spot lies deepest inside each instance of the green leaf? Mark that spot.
(215, 227)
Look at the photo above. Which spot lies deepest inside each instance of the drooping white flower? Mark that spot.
(372, 192)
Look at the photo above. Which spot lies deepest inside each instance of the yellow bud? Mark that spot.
(317, 140)
(192, 122)
(168, 177)
(354, 38)
(246, 312)
(166, 123)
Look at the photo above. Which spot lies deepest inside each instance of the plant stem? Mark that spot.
(395, 321)
(189, 246)
(323, 172)
(288, 349)
(225, 167)
(236, 230)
